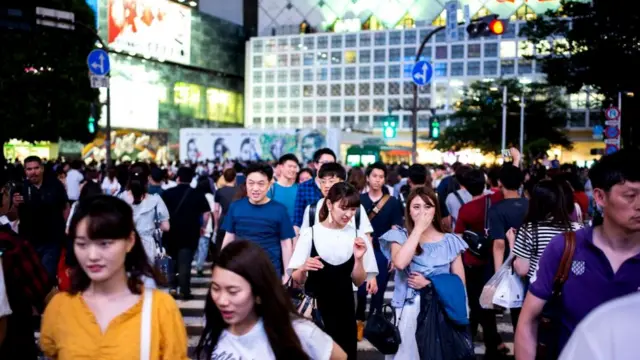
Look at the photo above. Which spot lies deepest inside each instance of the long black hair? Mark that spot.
(252, 263)
(109, 218)
(138, 181)
(345, 194)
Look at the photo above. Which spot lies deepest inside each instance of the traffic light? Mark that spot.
(434, 129)
(389, 127)
(92, 124)
(488, 25)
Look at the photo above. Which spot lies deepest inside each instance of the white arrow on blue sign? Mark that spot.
(98, 62)
(422, 73)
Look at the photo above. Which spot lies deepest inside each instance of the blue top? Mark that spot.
(435, 259)
(308, 193)
(285, 196)
(452, 295)
(265, 224)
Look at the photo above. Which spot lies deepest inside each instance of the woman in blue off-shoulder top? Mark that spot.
(421, 251)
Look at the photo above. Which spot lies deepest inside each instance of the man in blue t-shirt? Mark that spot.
(284, 189)
(257, 218)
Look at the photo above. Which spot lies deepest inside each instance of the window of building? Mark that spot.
(473, 68)
(365, 39)
(307, 121)
(350, 57)
(268, 122)
(440, 69)
(294, 91)
(365, 56)
(270, 46)
(441, 52)
(294, 122)
(269, 107)
(336, 89)
(336, 58)
(350, 89)
(257, 92)
(282, 76)
(441, 94)
(490, 50)
(457, 51)
(322, 74)
(321, 106)
(525, 67)
(473, 51)
(307, 90)
(257, 77)
(269, 61)
(295, 59)
(350, 105)
(378, 88)
(379, 55)
(510, 31)
(257, 46)
(394, 103)
(364, 89)
(296, 43)
(336, 106)
(307, 106)
(380, 39)
(294, 75)
(395, 38)
(307, 60)
(394, 54)
(350, 73)
(321, 90)
(409, 54)
(364, 105)
(282, 60)
(349, 121)
(269, 76)
(410, 37)
(334, 122)
(379, 72)
(394, 71)
(294, 105)
(378, 106)
(507, 67)
(441, 37)
(365, 73)
(394, 88)
(350, 40)
(508, 49)
(283, 44)
(322, 59)
(308, 75)
(362, 120)
(578, 119)
(407, 87)
(457, 68)
(323, 42)
(257, 62)
(336, 41)
(336, 73)
(257, 107)
(282, 107)
(282, 91)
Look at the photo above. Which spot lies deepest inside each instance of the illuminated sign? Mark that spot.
(159, 29)
(347, 25)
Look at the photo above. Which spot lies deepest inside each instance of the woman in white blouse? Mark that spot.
(331, 256)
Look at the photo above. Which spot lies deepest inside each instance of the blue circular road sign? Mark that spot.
(98, 62)
(422, 73)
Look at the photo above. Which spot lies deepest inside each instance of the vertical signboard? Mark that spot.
(612, 130)
(452, 20)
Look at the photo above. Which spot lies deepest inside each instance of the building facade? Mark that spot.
(358, 62)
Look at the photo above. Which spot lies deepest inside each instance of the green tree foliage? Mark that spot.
(478, 118)
(45, 92)
(598, 49)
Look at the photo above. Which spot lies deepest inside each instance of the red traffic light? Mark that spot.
(496, 27)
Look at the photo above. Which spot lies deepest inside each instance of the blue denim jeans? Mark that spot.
(201, 253)
(49, 256)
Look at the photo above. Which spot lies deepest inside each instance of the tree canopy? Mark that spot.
(45, 93)
(478, 118)
(599, 49)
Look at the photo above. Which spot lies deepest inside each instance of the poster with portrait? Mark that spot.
(130, 145)
(253, 145)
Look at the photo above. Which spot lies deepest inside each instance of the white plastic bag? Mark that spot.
(5, 309)
(491, 287)
(510, 291)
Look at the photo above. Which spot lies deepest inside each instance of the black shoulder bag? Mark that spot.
(479, 242)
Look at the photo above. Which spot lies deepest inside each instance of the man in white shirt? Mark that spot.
(74, 179)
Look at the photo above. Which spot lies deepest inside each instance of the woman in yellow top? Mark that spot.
(100, 318)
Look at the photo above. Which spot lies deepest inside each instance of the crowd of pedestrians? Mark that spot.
(297, 252)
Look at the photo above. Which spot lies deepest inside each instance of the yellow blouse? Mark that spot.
(70, 332)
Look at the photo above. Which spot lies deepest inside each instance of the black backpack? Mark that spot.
(312, 215)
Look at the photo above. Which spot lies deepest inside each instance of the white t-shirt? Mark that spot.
(610, 332)
(5, 308)
(365, 224)
(254, 345)
(110, 187)
(74, 178)
(333, 246)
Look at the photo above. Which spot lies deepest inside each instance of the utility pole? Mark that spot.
(522, 106)
(504, 118)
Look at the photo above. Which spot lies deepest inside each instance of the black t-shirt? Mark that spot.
(389, 215)
(185, 222)
(42, 213)
(224, 197)
(507, 214)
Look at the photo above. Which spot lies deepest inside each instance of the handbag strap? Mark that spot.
(184, 197)
(145, 331)
(487, 206)
(378, 207)
(565, 264)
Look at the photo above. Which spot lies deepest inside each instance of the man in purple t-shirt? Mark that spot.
(606, 261)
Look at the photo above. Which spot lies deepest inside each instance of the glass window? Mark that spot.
(457, 51)
(349, 121)
(394, 54)
(378, 106)
(257, 61)
(282, 121)
(307, 90)
(491, 50)
(321, 106)
(395, 38)
(457, 68)
(308, 75)
(295, 59)
(423, 34)
(407, 71)
(473, 68)
(282, 60)
(322, 59)
(365, 73)
(308, 59)
(362, 119)
(508, 49)
(270, 45)
(440, 69)
(427, 53)
(507, 67)
(364, 105)
(394, 71)
(257, 46)
(294, 121)
(409, 54)
(490, 67)
(539, 66)
(394, 88)
(269, 106)
(350, 73)
(268, 121)
(336, 73)
(294, 91)
(321, 90)
(350, 40)
(441, 52)
(379, 55)
(349, 105)
(336, 41)
(336, 57)
(441, 94)
(307, 106)
(282, 107)
(365, 56)
(378, 88)
(309, 43)
(283, 44)
(407, 103)
(294, 76)
(336, 89)
(350, 89)
(282, 91)
(365, 39)
(269, 76)
(269, 92)
(323, 42)
(379, 72)
(257, 92)
(257, 77)
(257, 107)
(441, 37)
(307, 121)
(407, 87)
(424, 103)
(510, 31)
(364, 89)
(525, 67)
(410, 37)
(296, 43)
(378, 120)
(473, 51)
(282, 76)
(578, 119)
(350, 57)
(380, 39)
(322, 74)
(270, 60)
(336, 106)
(394, 103)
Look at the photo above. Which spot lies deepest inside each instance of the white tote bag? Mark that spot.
(510, 291)
(145, 330)
(5, 308)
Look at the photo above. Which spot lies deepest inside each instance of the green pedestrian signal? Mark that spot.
(91, 125)
(434, 130)
(389, 125)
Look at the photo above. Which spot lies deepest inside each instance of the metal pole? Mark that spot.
(504, 118)
(620, 120)
(522, 106)
(414, 110)
(107, 135)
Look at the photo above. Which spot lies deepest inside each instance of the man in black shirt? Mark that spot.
(42, 207)
(223, 198)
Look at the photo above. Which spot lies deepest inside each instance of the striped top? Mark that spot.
(531, 242)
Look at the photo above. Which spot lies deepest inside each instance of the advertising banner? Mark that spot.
(130, 145)
(254, 145)
(156, 28)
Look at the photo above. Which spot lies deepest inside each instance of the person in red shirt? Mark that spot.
(477, 271)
